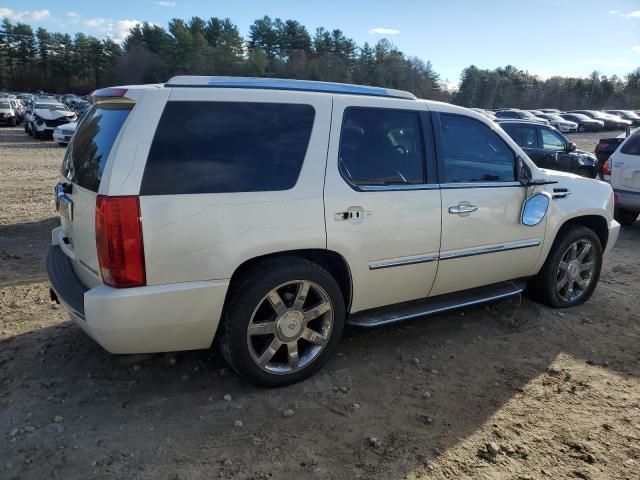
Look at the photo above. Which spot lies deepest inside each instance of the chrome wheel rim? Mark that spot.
(290, 327)
(575, 270)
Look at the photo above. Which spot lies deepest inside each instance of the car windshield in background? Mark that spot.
(529, 116)
(580, 116)
(51, 106)
(557, 118)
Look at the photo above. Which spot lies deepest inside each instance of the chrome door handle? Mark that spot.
(458, 209)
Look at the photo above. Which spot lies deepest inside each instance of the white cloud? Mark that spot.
(602, 62)
(634, 14)
(24, 16)
(117, 30)
(636, 49)
(165, 3)
(384, 31)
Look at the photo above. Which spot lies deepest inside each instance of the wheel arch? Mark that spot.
(330, 260)
(597, 223)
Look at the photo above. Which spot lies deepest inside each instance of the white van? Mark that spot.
(267, 213)
(624, 165)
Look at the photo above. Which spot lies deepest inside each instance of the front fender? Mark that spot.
(583, 197)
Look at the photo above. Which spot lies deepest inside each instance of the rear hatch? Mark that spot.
(625, 165)
(82, 169)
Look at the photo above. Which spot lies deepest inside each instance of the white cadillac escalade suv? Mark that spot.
(267, 213)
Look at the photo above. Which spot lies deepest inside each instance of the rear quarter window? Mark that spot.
(632, 146)
(87, 154)
(223, 147)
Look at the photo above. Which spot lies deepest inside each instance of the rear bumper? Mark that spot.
(627, 200)
(159, 318)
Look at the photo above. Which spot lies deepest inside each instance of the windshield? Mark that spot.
(51, 106)
(529, 115)
(557, 118)
(579, 116)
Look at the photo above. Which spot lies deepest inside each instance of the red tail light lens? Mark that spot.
(119, 241)
(606, 169)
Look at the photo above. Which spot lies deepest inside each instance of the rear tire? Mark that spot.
(581, 128)
(625, 217)
(276, 339)
(570, 274)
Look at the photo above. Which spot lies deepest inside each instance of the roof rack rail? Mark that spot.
(285, 84)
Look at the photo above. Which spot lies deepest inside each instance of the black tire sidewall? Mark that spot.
(233, 338)
(547, 280)
(625, 217)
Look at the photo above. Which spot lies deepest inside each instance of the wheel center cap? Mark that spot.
(290, 325)
(574, 270)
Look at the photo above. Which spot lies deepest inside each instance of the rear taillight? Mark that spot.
(606, 169)
(119, 241)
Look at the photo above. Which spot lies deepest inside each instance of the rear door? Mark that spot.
(625, 165)
(82, 170)
(382, 202)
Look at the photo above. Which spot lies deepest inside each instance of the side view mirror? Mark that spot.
(571, 147)
(534, 209)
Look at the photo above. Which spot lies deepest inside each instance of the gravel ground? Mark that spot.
(511, 390)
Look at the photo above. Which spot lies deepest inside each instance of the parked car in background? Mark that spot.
(611, 122)
(8, 115)
(559, 123)
(45, 117)
(62, 134)
(286, 227)
(487, 113)
(585, 123)
(520, 115)
(548, 148)
(633, 117)
(537, 113)
(624, 175)
(549, 110)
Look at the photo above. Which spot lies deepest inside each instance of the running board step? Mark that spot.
(428, 306)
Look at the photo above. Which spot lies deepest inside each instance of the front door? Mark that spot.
(483, 240)
(382, 204)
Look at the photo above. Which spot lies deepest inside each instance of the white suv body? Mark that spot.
(624, 165)
(372, 204)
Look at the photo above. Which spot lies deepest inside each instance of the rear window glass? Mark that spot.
(89, 149)
(632, 146)
(221, 147)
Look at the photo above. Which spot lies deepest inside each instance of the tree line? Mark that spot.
(58, 62)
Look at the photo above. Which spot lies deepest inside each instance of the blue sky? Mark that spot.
(546, 37)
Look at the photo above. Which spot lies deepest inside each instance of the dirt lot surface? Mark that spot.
(512, 390)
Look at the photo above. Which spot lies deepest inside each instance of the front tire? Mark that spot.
(581, 128)
(625, 217)
(282, 322)
(571, 272)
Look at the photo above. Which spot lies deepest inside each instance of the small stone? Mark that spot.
(374, 442)
(288, 413)
(356, 406)
(237, 423)
(173, 360)
(227, 462)
(13, 432)
(58, 418)
(493, 449)
(60, 429)
(426, 395)
(29, 428)
(435, 372)
(344, 389)
(416, 361)
(553, 371)
(227, 398)
(589, 458)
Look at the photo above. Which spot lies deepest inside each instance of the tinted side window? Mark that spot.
(381, 147)
(471, 152)
(632, 146)
(525, 136)
(221, 147)
(552, 141)
(87, 154)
